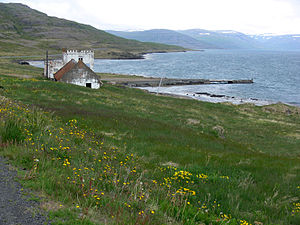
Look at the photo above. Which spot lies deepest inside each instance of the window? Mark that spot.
(89, 85)
(80, 59)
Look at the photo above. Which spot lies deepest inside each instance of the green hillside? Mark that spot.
(122, 156)
(32, 32)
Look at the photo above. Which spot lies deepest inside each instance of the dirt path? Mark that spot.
(15, 207)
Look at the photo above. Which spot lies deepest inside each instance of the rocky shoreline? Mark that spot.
(214, 98)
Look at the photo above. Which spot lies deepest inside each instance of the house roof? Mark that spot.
(82, 65)
(73, 65)
(66, 68)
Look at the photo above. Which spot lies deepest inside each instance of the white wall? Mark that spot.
(81, 81)
(86, 55)
(53, 67)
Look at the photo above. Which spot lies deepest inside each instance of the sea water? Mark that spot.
(276, 74)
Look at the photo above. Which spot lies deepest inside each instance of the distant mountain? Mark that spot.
(225, 39)
(29, 31)
(279, 42)
(220, 39)
(165, 37)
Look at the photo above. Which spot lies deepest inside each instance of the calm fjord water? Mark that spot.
(276, 74)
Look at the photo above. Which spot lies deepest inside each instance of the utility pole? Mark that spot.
(47, 72)
(159, 85)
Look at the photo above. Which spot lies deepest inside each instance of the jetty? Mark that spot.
(163, 82)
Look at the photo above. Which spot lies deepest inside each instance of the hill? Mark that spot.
(219, 39)
(279, 42)
(32, 32)
(194, 38)
(225, 39)
(166, 37)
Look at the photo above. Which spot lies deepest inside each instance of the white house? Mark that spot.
(86, 56)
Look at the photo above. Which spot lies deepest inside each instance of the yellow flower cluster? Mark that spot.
(244, 222)
(296, 208)
(182, 174)
(66, 162)
(183, 191)
(202, 176)
(225, 217)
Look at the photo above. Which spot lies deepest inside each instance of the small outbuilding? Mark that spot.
(78, 73)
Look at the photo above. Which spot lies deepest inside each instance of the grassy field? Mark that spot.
(123, 156)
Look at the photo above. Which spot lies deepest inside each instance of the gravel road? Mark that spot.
(15, 207)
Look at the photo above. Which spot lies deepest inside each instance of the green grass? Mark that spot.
(239, 161)
(9, 67)
(12, 131)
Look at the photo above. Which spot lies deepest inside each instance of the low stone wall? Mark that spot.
(178, 82)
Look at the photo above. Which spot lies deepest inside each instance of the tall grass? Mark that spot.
(11, 132)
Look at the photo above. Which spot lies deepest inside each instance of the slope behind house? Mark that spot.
(27, 31)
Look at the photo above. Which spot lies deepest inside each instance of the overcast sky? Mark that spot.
(248, 16)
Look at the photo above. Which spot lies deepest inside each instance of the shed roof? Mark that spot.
(66, 68)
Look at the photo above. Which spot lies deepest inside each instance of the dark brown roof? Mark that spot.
(66, 68)
(81, 64)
